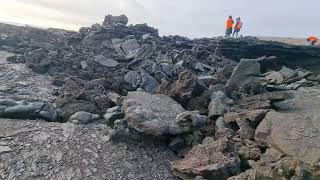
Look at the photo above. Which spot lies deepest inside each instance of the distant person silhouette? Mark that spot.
(230, 23)
(312, 40)
(237, 27)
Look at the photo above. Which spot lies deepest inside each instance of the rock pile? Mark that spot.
(222, 106)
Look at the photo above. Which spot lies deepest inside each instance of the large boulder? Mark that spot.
(110, 20)
(159, 115)
(244, 76)
(294, 129)
(211, 159)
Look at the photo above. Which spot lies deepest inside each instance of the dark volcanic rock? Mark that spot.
(69, 107)
(245, 77)
(110, 20)
(220, 104)
(105, 62)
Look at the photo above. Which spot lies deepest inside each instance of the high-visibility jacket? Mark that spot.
(230, 23)
(312, 38)
(238, 25)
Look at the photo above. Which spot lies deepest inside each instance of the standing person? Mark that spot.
(237, 27)
(312, 40)
(230, 23)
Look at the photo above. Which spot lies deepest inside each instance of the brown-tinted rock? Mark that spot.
(211, 159)
(272, 96)
(294, 130)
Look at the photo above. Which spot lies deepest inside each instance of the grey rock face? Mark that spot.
(130, 46)
(148, 83)
(294, 129)
(106, 62)
(83, 117)
(133, 78)
(219, 104)
(145, 52)
(244, 76)
(159, 115)
(288, 73)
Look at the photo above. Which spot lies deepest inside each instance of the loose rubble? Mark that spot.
(217, 108)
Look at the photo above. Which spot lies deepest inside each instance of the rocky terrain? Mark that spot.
(117, 101)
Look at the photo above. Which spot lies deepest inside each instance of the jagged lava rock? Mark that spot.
(244, 76)
(211, 159)
(110, 20)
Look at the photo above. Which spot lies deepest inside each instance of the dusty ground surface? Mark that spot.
(39, 150)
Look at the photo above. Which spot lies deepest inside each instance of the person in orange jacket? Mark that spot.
(237, 27)
(230, 23)
(312, 40)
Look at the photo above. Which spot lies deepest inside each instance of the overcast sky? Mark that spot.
(192, 18)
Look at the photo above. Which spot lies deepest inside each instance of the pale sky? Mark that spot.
(192, 18)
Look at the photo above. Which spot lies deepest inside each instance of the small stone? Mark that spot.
(106, 62)
(5, 149)
(288, 73)
(83, 117)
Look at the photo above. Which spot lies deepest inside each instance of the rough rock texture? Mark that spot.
(244, 77)
(105, 62)
(32, 150)
(24, 94)
(247, 121)
(211, 159)
(110, 20)
(83, 117)
(220, 104)
(158, 115)
(294, 130)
